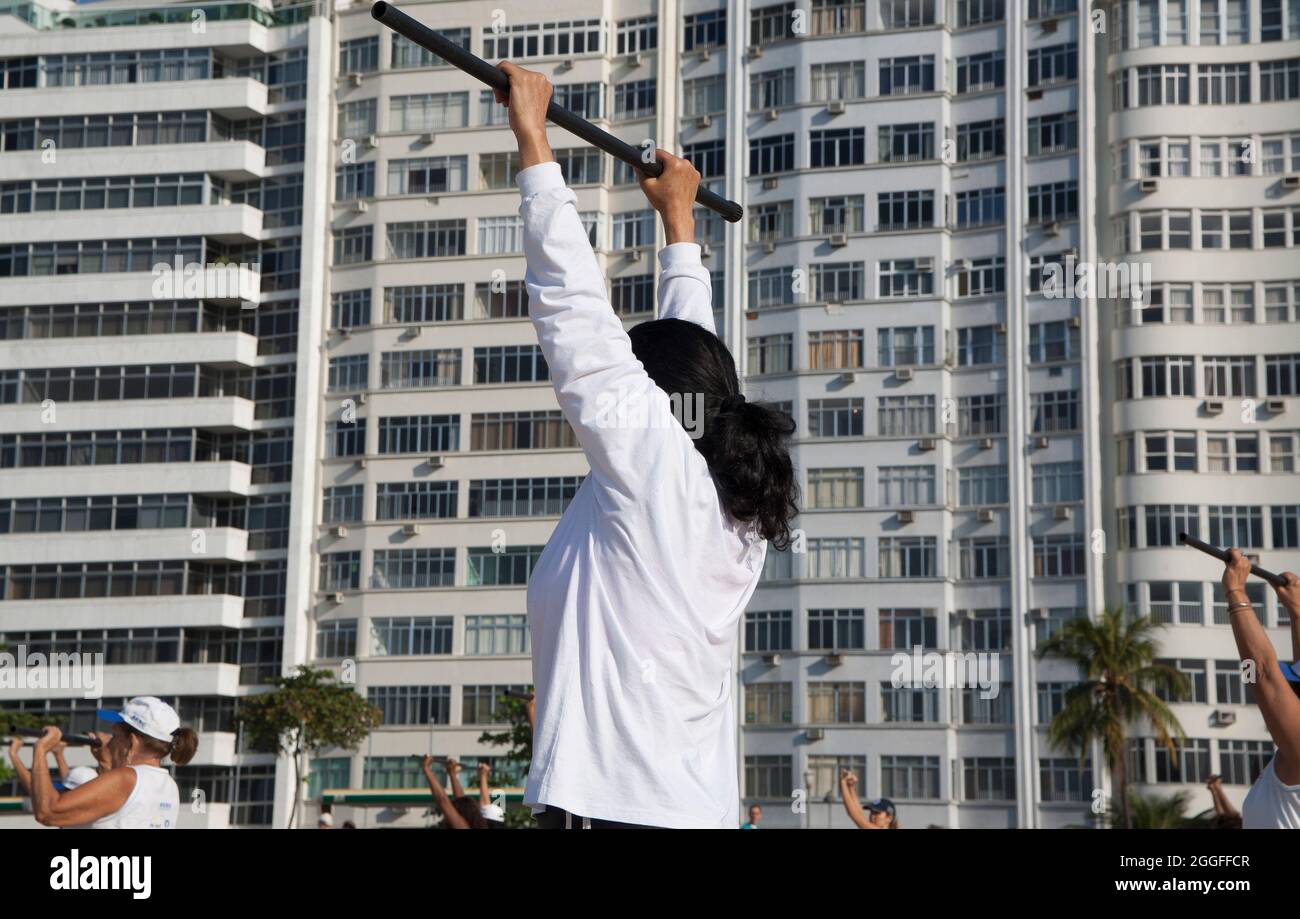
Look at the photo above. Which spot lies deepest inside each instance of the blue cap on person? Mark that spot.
(1290, 671)
(149, 715)
(881, 805)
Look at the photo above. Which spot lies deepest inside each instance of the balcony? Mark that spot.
(126, 680)
(229, 223)
(123, 286)
(185, 611)
(220, 413)
(234, 97)
(217, 349)
(219, 544)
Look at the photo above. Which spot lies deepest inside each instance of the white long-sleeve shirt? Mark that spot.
(635, 603)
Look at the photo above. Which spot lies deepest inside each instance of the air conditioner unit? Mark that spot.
(411, 529)
(1062, 512)
(769, 247)
(345, 334)
(1220, 718)
(1213, 407)
(635, 58)
(1049, 25)
(705, 250)
(834, 659)
(963, 614)
(413, 331)
(962, 264)
(1075, 322)
(926, 444)
(634, 255)
(771, 114)
(566, 64)
(1033, 94)
(434, 461)
(772, 660)
(372, 141)
(1275, 406)
(815, 734)
(1149, 186)
(1038, 612)
(705, 54)
(769, 183)
(906, 516)
(354, 79)
(1040, 442)
(751, 315)
(1002, 328)
(755, 50)
(848, 377)
(336, 598)
(1052, 229)
(360, 207)
(703, 121)
(986, 443)
(903, 373)
(361, 398)
(984, 515)
(836, 107)
(838, 240)
(340, 531)
(359, 462)
(426, 138)
(1291, 181)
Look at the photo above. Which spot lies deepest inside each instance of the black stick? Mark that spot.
(480, 69)
(72, 740)
(1274, 579)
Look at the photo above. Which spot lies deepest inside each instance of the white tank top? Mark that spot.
(154, 803)
(1270, 805)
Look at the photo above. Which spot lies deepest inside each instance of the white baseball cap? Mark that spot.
(325, 819)
(147, 714)
(492, 812)
(79, 775)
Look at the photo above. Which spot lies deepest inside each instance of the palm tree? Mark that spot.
(1119, 687)
(1157, 813)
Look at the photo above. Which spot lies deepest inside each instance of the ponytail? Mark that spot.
(745, 444)
(185, 743)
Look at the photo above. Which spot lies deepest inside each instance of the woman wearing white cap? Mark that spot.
(136, 792)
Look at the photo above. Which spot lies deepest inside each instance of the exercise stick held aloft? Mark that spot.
(480, 69)
(1274, 579)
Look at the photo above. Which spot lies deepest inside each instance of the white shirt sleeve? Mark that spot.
(621, 418)
(685, 288)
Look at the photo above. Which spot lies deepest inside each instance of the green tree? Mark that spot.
(304, 714)
(1121, 678)
(1157, 813)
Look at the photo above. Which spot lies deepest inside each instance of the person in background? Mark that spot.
(1226, 817)
(325, 821)
(349, 825)
(879, 814)
(460, 813)
(755, 817)
(136, 792)
(494, 814)
(1273, 802)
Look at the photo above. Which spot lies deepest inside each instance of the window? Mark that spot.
(530, 497)
(837, 702)
(496, 635)
(1223, 84)
(906, 416)
(904, 210)
(349, 374)
(905, 346)
(909, 777)
(1054, 134)
(396, 569)
(485, 566)
(768, 703)
(535, 430)
(1053, 202)
(903, 76)
(419, 434)
(543, 39)
(1057, 483)
(1059, 556)
(1278, 80)
(913, 277)
(838, 147)
(1052, 64)
(905, 629)
(838, 349)
(705, 30)
(835, 418)
(907, 557)
(635, 99)
(1053, 341)
(427, 175)
(984, 557)
(906, 14)
(983, 277)
(360, 55)
(834, 488)
(836, 282)
(426, 239)
(415, 500)
(844, 80)
(906, 142)
(836, 630)
(632, 36)
(768, 777)
(981, 72)
(979, 140)
(981, 486)
(1162, 84)
(771, 154)
(980, 207)
(768, 631)
(989, 778)
(905, 486)
(979, 12)
(906, 704)
(769, 24)
(410, 635)
(407, 55)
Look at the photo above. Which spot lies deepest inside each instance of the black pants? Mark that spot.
(555, 819)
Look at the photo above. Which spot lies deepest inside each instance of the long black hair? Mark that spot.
(744, 443)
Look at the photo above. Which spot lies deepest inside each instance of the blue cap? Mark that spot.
(1289, 671)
